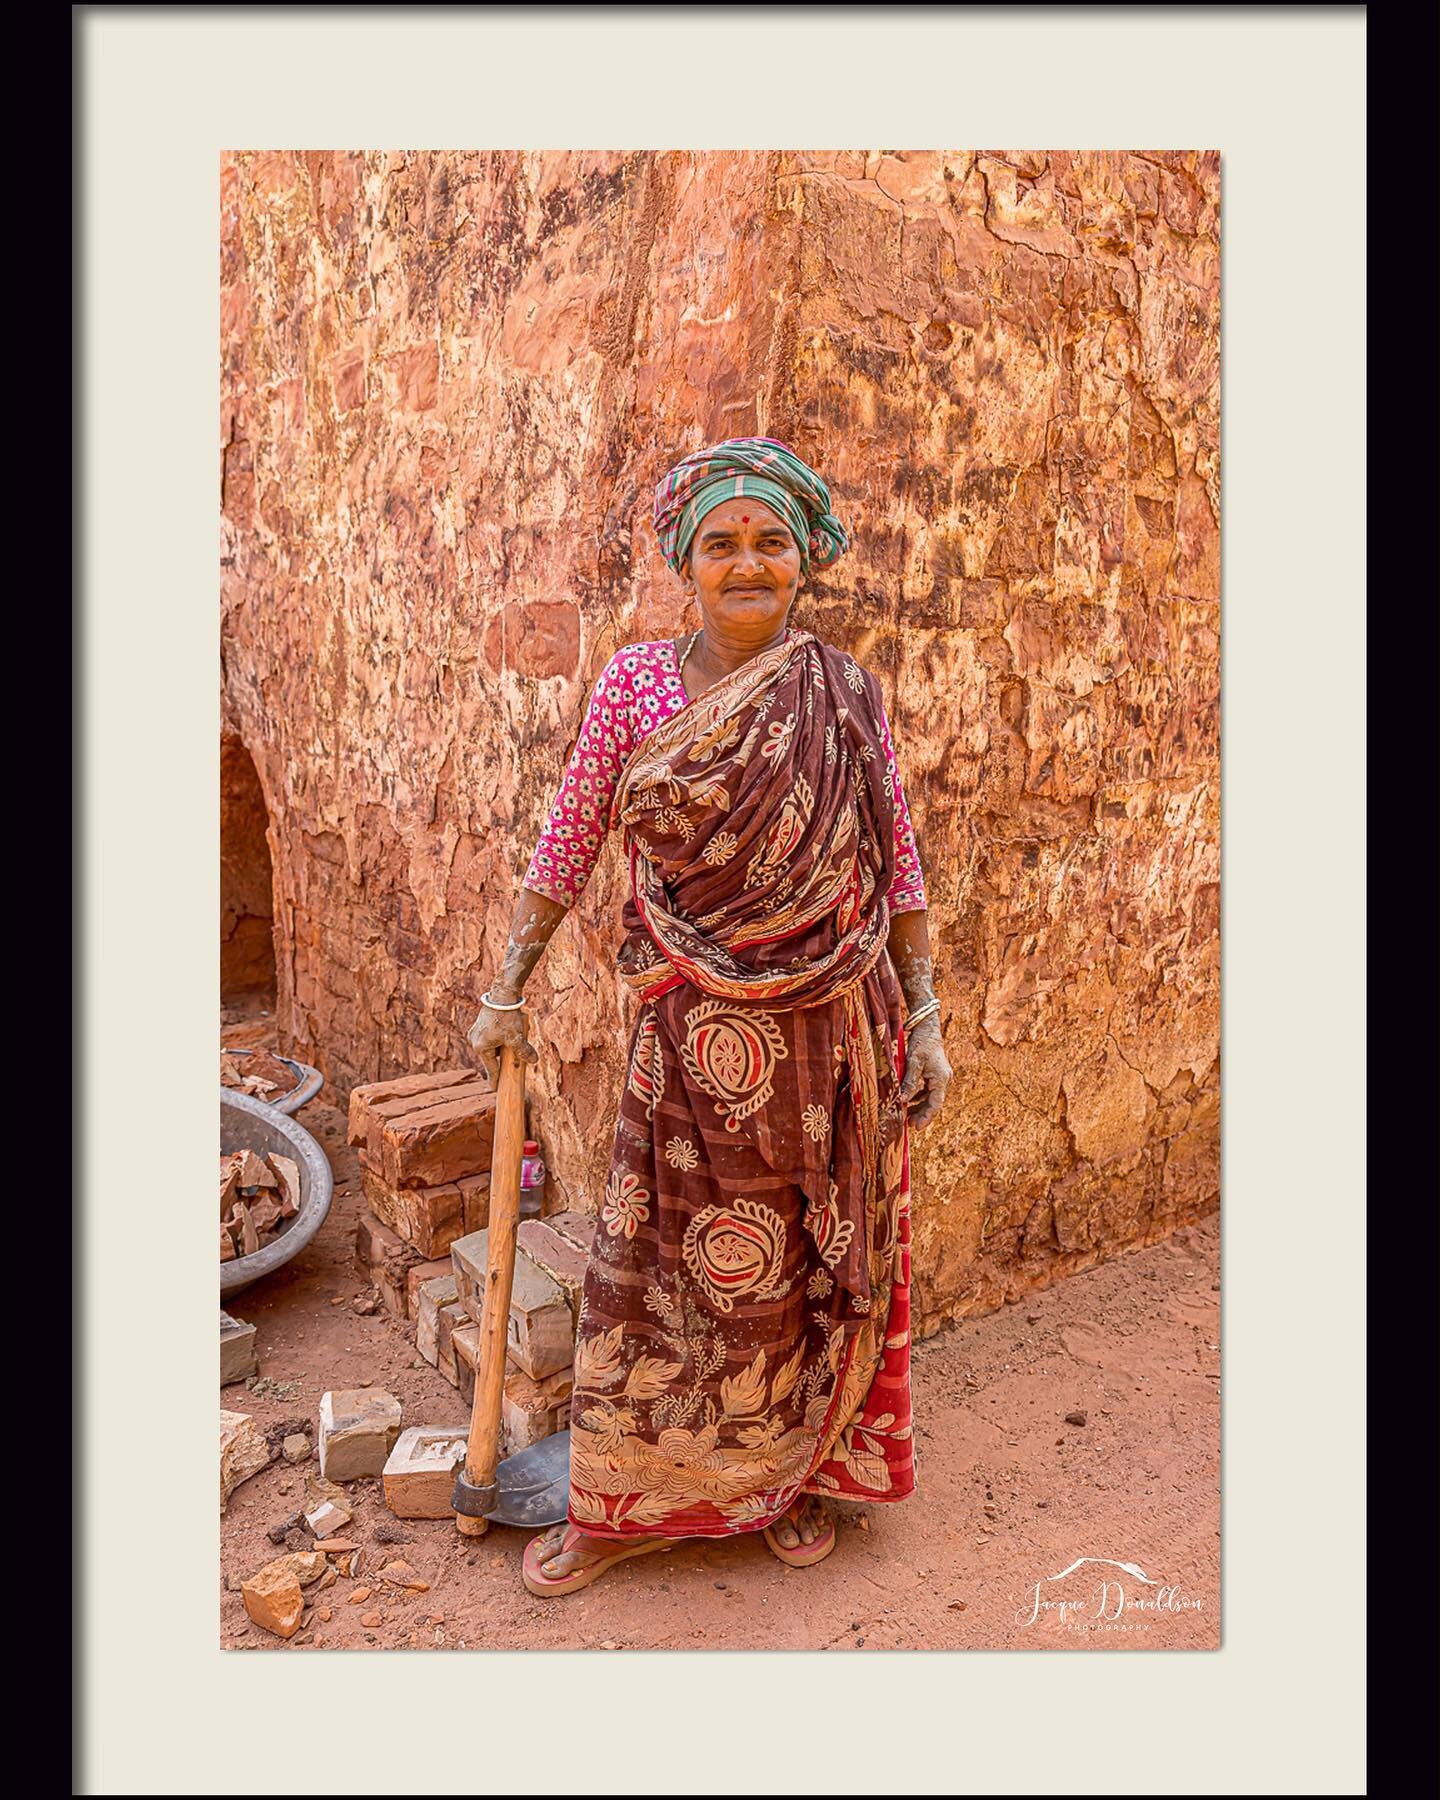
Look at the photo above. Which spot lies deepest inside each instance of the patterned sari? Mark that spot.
(744, 1331)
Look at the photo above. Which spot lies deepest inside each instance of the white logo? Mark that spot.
(1100, 1593)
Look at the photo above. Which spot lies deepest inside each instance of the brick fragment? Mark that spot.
(237, 1350)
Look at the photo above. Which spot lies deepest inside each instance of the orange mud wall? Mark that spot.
(450, 381)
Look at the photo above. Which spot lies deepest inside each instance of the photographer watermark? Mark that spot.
(1099, 1593)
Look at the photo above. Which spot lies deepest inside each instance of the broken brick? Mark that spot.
(237, 1350)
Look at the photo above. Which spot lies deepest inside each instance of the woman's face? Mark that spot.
(745, 564)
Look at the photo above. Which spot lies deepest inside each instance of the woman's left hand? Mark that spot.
(927, 1072)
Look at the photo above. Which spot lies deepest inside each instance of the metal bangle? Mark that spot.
(501, 1005)
(922, 1012)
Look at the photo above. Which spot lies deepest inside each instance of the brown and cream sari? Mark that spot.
(744, 1334)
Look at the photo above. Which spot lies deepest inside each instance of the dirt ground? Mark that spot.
(981, 1557)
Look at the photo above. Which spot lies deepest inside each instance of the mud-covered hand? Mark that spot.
(491, 1032)
(927, 1072)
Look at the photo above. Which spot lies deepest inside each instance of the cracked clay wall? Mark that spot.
(450, 381)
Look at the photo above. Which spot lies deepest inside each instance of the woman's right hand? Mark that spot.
(492, 1030)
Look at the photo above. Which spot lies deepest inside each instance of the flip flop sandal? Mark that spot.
(801, 1556)
(540, 1583)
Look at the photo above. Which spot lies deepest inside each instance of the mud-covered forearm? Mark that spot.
(909, 945)
(531, 928)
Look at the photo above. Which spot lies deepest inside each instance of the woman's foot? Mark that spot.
(805, 1534)
(563, 1559)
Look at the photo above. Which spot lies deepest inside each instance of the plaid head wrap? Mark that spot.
(763, 469)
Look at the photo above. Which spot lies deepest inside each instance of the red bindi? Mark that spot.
(744, 518)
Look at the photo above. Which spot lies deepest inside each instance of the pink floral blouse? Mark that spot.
(637, 688)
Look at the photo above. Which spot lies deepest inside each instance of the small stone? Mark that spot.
(370, 1620)
(318, 1490)
(404, 1576)
(305, 1565)
(323, 1614)
(359, 1597)
(609, 1644)
(720, 1587)
(283, 1527)
(956, 1606)
(327, 1519)
(273, 1599)
(1042, 1502)
(436, 1619)
(1075, 1418)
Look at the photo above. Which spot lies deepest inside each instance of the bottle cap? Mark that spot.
(529, 1148)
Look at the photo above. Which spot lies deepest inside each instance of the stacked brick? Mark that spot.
(425, 1143)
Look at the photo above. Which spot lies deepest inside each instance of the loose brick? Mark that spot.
(436, 1144)
(420, 1474)
(438, 1292)
(358, 1429)
(373, 1094)
(237, 1350)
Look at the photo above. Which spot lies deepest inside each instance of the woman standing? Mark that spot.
(743, 1344)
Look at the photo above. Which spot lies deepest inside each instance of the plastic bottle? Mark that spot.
(532, 1180)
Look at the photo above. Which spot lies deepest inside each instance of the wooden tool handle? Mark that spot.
(482, 1449)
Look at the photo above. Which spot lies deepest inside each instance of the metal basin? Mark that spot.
(248, 1123)
(308, 1082)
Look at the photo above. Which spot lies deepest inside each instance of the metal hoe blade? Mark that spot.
(535, 1484)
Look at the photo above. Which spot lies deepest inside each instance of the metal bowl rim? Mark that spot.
(242, 1270)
